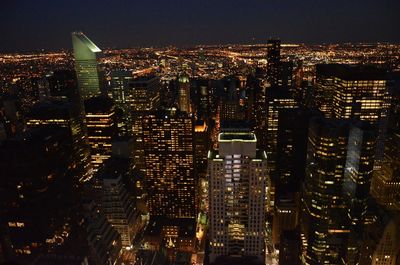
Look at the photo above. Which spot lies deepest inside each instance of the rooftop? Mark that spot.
(237, 137)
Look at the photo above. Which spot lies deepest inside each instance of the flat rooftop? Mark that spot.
(237, 136)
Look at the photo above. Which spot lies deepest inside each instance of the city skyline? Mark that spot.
(188, 148)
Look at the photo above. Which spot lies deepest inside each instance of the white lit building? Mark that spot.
(237, 192)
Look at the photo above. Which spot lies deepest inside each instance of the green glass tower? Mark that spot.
(86, 65)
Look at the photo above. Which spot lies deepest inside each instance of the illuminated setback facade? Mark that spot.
(168, 148)
(100, 120)
(237, 194)
(86, 65)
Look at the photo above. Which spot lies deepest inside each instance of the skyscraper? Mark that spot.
(65, 115)
(100, 120)
(355, 92)
(273, 58)
(86, 65)
(184, 94)
(324, 215)
(237, 194)
(168, 148)
(116, 203)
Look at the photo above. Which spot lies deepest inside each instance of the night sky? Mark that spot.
(46, 24)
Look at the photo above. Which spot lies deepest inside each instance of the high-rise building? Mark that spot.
(355, 92)
(273, 60)
(101, 126)
(290, 248)
(184, 94)
(142, 96)
(86, 65)
(201, 146)
(358, 171)
(103, 240)
(237, 194)
(168, 148)
(63, 114)
(385, 186)
(116, 203)
(324, 215)
(277, 100)
(380, 241)
(231, 110)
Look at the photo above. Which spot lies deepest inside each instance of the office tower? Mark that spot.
(277, 99)
(63, 114)
(37, 182)
(142, 97)
(324, 218)
(62, 84)
(286, 216)
(358, 171)
(201, 146)
(286, 78)
(86, 65)
(103, 240)
(291, 148)
(203, 97)
(231, 110)
(355, 92)
(184, 94)
(118, 91)
(352, 91)
(168, 148)
(380, 241)
(385, 186)
(324, 89)
(237, 192)
(119, 86)
(116, 203)
(290, 248)
(100, 121)
(273, 58)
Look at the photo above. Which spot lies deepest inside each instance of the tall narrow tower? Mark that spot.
(184, 94)
(273, 58)
(237, 192)
(86, 65)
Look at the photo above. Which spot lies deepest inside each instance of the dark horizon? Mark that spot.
(28, 25)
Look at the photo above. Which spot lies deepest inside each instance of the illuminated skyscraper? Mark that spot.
(184, 94)
(355, 92)
(101, 126)
(168, 148)
(237, 193)
(324, 216)
(273, 58)
(277, 100)
(346, 91)
(86, 65)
